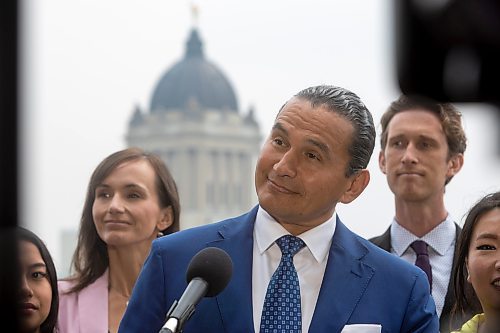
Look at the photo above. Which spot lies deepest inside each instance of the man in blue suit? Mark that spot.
(315, 157)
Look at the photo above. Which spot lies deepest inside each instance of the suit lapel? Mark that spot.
(235, 302)
(346, 279)
(449, 299)
(383, 241)
(93, 303)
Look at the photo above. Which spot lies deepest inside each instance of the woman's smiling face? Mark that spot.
(483, 261)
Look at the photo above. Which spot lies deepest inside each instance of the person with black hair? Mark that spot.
(296, 266)
(38, 293)
(477, 262)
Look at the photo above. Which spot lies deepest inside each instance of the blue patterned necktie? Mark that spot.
(281, 312)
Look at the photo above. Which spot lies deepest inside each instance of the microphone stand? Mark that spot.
(166, 330)
(173, 324)
(170, 326)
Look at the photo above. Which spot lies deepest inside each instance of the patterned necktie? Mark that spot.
(420, 248)
(281, 311)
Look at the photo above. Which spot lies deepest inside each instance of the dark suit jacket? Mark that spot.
(384, 241)
(362, 285)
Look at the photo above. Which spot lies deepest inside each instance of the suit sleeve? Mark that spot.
(420, 316)
(146, 310)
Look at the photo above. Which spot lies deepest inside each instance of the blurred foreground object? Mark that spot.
(8, 164)
(449, 49)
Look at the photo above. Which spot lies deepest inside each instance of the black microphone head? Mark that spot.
(212, 265)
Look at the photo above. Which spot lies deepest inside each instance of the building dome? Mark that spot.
(193, 81)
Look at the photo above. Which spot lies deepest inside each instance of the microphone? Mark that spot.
(208, 273)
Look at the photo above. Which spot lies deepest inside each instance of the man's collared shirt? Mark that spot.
(441, 241)
(310, 262)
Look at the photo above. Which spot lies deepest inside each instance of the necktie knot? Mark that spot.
(289, 245)
(420, 247)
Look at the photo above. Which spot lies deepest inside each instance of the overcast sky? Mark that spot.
(88, 63)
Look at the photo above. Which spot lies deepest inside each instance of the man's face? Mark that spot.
(300, 174)
(415, 159)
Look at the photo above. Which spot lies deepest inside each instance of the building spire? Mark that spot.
(194, 14)
(194, 46)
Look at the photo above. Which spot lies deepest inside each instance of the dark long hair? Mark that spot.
(90, 259)
(50, 322)
(466, 298)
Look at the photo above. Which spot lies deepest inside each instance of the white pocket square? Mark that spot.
(362, 328)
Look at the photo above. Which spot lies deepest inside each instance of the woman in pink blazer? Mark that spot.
(131, 199)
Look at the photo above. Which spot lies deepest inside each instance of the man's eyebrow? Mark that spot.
(403, 135)
(278, 126)
(323, 147)
(398, 136)
(427, 137)
(320, 145)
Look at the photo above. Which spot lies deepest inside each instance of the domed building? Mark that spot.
(195, 125)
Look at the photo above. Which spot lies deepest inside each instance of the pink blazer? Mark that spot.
(85, 311)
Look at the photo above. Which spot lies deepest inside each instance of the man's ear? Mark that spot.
(166, 219)
(358, 183)
(455, 164)
(381, 161)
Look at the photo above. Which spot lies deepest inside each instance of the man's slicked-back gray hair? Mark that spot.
(348, 105)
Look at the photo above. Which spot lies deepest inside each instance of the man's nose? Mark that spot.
(286, 166)
(410, 155)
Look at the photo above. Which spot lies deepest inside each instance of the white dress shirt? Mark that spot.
(310, 263)
(441, 241)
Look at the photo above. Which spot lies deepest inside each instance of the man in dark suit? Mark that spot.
(422, 148)
(315, 156)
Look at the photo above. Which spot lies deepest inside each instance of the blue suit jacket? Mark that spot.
(362, 284)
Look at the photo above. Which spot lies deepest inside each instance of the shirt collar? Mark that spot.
(318, 239)
(440, 238)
